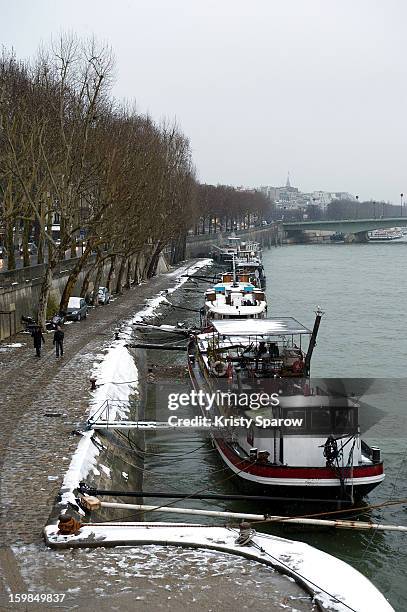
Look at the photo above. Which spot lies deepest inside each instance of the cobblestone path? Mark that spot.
(35, 447)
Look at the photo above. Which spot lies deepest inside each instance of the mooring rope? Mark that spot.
(296, 573)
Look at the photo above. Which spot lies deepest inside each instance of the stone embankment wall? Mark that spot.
(20, 290)
(204, 244)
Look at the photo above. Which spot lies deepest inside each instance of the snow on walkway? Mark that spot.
(116, 381)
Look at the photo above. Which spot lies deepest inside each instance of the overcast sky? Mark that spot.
(261, 87)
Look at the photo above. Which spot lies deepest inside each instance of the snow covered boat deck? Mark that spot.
(334, 584)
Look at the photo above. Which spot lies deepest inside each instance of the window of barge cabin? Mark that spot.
(345, 420)
(321, 420)
(335, 421)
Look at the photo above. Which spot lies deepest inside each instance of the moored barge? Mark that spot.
(323, 457)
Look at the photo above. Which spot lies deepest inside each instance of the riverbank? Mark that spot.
(43, 401)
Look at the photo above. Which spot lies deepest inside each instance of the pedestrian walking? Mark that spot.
(59, 341)
(38, 338)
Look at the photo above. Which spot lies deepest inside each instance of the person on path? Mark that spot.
(38, 339)
(59, 341)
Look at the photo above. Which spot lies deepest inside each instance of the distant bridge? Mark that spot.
(346, 226)
(353, 229)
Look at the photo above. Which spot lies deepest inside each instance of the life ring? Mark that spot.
(219, 368)
(297, 366)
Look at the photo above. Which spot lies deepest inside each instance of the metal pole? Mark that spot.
(231, 497)
(401, 204)
(257, 517)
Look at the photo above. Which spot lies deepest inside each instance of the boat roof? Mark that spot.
(248, 264)
(238, 286)
(283, 326)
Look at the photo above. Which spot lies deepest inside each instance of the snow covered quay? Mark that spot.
(334, 585)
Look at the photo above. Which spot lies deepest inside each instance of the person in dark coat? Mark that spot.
(59, 341)
(38, 339)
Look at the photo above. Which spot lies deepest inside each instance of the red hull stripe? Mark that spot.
(281, 471)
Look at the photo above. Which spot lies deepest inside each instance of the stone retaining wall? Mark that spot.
(20, 290)
(202, 245)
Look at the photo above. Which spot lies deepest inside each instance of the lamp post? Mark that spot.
(356, 209)
(401, 204)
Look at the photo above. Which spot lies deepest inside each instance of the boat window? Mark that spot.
(321, 420)
(345, 420)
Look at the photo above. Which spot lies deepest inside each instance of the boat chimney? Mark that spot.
(235, 284)
(313, 340)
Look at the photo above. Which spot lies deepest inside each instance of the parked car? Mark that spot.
(31, 247)
(103, 295)
(77, 309)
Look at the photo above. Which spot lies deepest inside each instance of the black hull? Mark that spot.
(300, 494)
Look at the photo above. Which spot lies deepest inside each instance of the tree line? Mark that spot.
(71, 156)
(225, 208)
(109, 178)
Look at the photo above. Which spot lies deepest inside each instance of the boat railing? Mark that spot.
(264, 366)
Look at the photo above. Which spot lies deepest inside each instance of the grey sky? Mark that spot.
(316, 87)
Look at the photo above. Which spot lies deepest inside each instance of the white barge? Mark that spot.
(323, 456)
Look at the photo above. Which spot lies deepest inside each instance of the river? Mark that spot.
(362, 289)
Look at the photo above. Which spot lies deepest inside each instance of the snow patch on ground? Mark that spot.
(4, 348)
(82, 462)
(105, 469)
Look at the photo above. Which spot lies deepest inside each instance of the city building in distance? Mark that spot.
(289, 197)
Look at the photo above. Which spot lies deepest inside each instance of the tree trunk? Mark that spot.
(152, 268)
(128, 273)
(73, 248)
(17, 235)
(86, 280)
(136, 275)
(44, 293)
(111, 270)
(11, 256)
(95, 294)
(40, 249)
(73, 277)
(26, 235)
(120, 276)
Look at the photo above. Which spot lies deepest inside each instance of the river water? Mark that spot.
(362, 289)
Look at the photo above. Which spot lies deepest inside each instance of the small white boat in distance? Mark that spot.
(384, 235)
